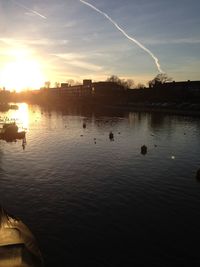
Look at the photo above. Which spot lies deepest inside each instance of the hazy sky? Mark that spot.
(70, 40)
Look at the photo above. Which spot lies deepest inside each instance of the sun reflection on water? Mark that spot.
(21, 116)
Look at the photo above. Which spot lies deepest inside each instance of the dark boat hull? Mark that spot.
(18, 246)
(12, 137)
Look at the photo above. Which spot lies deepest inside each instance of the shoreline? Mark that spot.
(169, 111)
(182, 109)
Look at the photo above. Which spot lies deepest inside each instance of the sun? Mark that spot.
(21, 71)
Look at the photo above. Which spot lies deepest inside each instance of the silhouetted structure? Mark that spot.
(183, 95)
(185, 91)
(87, 88)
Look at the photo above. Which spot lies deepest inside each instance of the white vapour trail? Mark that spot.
(29, 9)
(125, 34)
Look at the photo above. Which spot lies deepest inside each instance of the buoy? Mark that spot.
(198, 175)
(143, 150)
(111, 136)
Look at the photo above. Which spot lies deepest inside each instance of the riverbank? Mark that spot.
(185, 109)
(91, 105)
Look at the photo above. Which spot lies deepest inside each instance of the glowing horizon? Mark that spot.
(21, 71)
(24, 71)
(63, 39)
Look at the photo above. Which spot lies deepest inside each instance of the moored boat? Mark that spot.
(9, 132)
(18, 246)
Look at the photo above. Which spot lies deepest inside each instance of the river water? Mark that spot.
(91, 201)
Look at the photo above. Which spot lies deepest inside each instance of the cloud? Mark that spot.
(78, 60)
(70, 56)
(69, 24)
(162, 41)
(130, 38)
(40, 42)
(86, 65)
(29, 10)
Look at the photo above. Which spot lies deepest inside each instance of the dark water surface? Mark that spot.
(95, 202)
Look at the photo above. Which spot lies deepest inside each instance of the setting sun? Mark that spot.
(21, 71)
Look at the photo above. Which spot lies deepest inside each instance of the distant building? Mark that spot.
(184, 91)
(107, 88)
(87, 83)
(87, 88)
(182, 85)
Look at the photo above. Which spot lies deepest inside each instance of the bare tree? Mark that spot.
(57, 84)
(127, 84)
(114, 79)
(140, 86)
(160, 79)
(72, 82)
(47, 84)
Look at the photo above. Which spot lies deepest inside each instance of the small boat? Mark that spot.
(5, 107)
(15, 107)
(18, 246)
(9, 132)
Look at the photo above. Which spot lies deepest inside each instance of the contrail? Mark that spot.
(126, 35)
(29, 9)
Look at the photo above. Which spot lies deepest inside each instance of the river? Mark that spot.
(92, 201)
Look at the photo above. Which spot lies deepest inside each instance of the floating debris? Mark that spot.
(143, 150)
(84, 125)
(173, 157)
